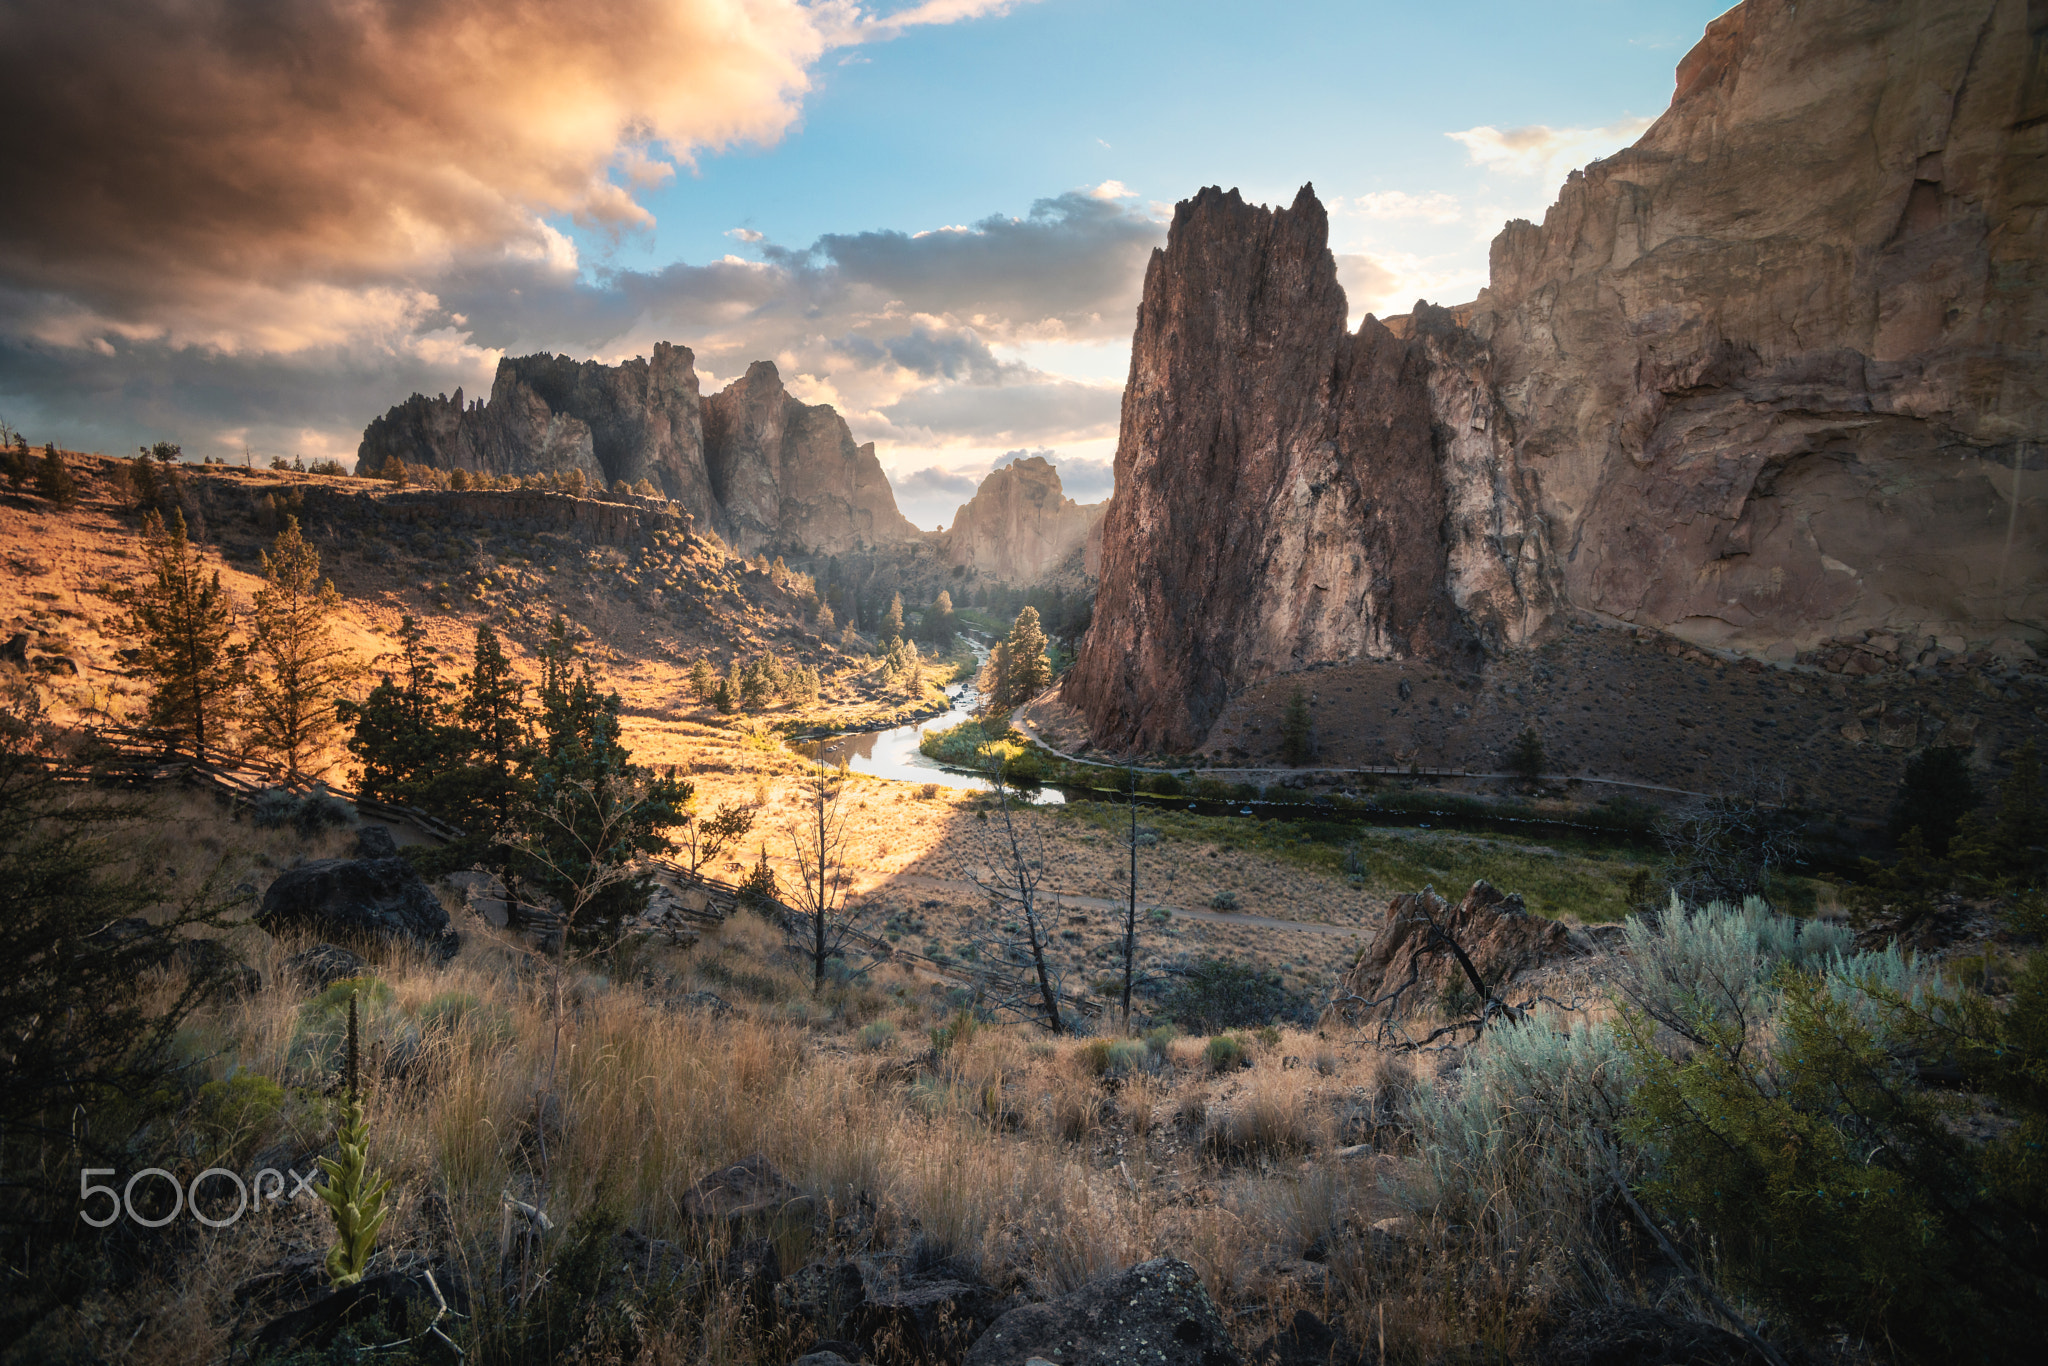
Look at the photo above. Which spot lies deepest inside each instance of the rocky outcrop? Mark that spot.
(1410, 963)
(1020, 526)
(1772, 376)
(1156, 1313)
(784, 470)
(761, 467)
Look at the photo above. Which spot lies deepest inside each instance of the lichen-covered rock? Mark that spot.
(1771, 376)
(1155, 1314)
(360, 900)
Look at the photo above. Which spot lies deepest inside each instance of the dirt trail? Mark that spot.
(962, 886)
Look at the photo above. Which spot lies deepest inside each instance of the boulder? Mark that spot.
(360, 900)
(929, 1316)
(396, 1304)
(1630, 1335)
(1307, 1341)
(1154, 1314)
(1497, 933)
(15, 651)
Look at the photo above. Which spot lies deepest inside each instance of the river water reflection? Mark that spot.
(893, 753)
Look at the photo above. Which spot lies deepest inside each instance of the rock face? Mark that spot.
(1407, 966)
(789, 471)
(1020, 525)
(1155, 1314)
(1772, 376)
(760, 466)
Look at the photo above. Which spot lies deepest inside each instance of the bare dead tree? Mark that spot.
(1011, 881)
(819, 843)
(1131, 905)
(1725, 848)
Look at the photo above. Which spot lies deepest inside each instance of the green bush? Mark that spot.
(1112, 1057)
(462, 1014)
(1227, 1053)
(878, 1036)
(1160, 1038)
(235, 1113)
(1223, 901)
(1842, 1193)
(1217, 994)
(1212, 790)
(1164, 784)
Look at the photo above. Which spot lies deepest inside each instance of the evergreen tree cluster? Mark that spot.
(1018, 668)
(274, 691)
(753, 685)
(546, 790)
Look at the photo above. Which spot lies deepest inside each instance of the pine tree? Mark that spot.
(702, 681)
(187, 628)
(494, 720)
(400, 735)
(2012, 843)
(292, 714)
(1525, 755)
(53, 479)
(1297, 730)
(1026, 670)
(892, 624)
(939, 626)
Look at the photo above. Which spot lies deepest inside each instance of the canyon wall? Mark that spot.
(1020, 526)
(1772, 375)
(755, 463)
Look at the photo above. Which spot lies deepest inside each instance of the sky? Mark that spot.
(253, 225)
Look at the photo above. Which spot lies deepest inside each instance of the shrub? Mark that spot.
(1164, 784)
(1297, 730)
(1159, 1039)
(1112, 1057)
(879, 1035)
(1223, 901)
(1227, 1053)
(236, 1112)
(460, 1013)
(1838, 1190)
(1693, 971)
(1935, 793)
(1525, 757)
(1218, 994)
(1512, 1148)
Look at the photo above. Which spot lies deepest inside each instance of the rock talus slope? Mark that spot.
(1775, 374)
(1020, 525)
(758, 465)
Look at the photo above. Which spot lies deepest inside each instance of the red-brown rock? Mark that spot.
(1500, 937)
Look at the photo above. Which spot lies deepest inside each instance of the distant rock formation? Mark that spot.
(758, 465)
(783, 470)
(1771, 376)
(1020, 526)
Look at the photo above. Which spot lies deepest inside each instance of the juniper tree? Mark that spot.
(186, 624)
(401, 735)
(497, 735)
(1297, 730)
(892, 622)
(1026, 670)
(939, 625)
(292, 714)
(53, 478)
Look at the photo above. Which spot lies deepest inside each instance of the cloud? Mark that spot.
(1433, 207)
(233, 239)
(1540, 151)
(1112, 189)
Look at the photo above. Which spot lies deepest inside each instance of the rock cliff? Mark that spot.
(1020, 526)
(1773, 375)
(759, 466)
(784, 470)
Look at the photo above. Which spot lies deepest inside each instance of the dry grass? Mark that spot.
(1012, 1151)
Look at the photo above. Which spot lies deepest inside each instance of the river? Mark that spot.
(893, 753)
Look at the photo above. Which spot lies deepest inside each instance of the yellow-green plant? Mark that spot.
(353, 1194)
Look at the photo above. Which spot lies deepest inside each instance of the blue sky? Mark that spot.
(934, 217)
